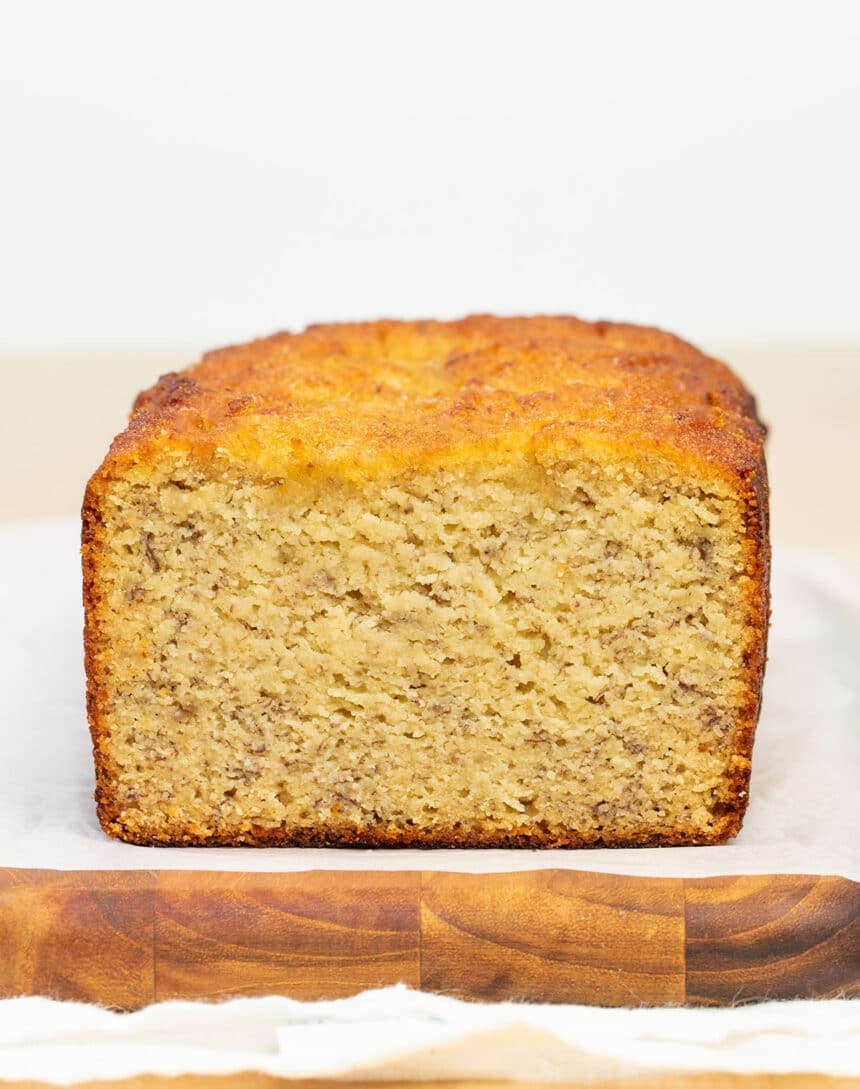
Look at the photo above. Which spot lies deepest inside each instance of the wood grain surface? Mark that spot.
(267, 1081)
(772, 937)
(305, 935)
(125, 939)
(554, 936)
(85, 937)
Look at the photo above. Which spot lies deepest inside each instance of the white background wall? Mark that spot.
(201, 171)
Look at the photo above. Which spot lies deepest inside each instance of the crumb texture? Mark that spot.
(487, 653)
(542, 643)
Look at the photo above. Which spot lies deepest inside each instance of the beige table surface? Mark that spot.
(62, 409)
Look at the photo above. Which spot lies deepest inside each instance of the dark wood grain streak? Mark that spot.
(321, 934)
(751, 938)
(553, 936)
(126, 938)
(86, 937)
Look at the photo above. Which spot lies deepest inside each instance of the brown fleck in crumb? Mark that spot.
(247, 775)
(146, 539)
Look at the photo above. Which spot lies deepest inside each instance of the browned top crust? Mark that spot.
(366, 398)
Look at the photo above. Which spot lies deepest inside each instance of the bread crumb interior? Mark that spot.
(496, 650)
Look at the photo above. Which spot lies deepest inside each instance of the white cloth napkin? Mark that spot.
(397, 1034)
(804, 816)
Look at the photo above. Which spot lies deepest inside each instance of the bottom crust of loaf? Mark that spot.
(725, 828)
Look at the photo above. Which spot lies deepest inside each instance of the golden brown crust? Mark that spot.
(373, 398)
(94, 656)
(385, 394)
(757, 555)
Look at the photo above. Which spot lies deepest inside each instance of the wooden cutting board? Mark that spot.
(265, 1081)
(128, 938)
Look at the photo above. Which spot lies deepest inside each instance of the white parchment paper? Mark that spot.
(804, 814)
(398, 1034)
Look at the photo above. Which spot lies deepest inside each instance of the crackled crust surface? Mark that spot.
(372, 398)
(366, 404)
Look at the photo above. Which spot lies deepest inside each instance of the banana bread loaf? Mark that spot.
(492, 582)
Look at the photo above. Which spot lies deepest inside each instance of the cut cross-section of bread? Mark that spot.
(496, 582)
